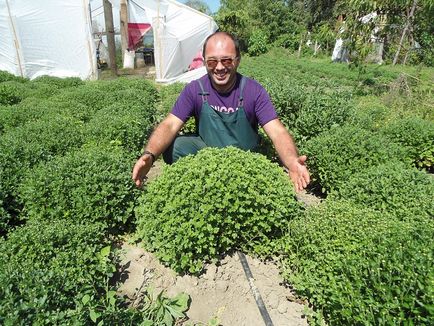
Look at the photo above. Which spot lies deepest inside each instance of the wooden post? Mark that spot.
(300, 46)
(110, 30)
(124, 26)
(406, 28)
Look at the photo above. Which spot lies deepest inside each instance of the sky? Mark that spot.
(212, 4)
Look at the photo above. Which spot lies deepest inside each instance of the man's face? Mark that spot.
(221, 62)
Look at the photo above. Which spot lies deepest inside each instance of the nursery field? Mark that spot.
(363, 256)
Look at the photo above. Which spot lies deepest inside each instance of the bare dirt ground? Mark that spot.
(222, 292)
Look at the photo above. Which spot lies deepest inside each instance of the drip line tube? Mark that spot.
(259, 302)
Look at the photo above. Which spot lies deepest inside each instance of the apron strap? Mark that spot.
(203, 93)
(241, 98)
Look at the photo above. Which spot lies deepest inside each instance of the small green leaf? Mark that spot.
(85, 299)
(94, 315)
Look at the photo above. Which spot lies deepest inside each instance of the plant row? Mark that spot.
(65, 193)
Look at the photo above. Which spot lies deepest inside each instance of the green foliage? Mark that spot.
(162, 310)
(123, 124)
(45, 267)
(34, 143)
(417, 136)
(371, 114)
(212, 203)
(57, 82)
(4, 215)
(235, 21)
(92, 184)
(169, 94)
(321, 111)
(361, 267)
(288, 41)
(5, 76)
(337, 154)
(32, 109)
(391, 187)
(199, 5)
(12, 92)
(258, 42)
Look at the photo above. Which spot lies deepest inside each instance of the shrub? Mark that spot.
(58, 82)
(5, 76)
(47, 267)
(34, 143)
(361, 267)
(417, 136)
(371, 114)
(126, 125)
(88, 95)
(58, 272)
(212, 203)
(169, 94)
(12, 92)
(92, 184)
(258, 42)
(335, 155)
(321, 111)
(390, 187)
(101, 94)
(32, 109)
(4, 215)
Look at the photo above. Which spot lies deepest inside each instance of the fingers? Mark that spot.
(300, 184)
(140, 170)
(300, 178)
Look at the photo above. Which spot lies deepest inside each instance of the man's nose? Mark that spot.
(220, 66)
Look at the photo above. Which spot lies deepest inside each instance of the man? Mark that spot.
(228, 108)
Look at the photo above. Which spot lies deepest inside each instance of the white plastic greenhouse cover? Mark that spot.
(179, 32)
(47, 37)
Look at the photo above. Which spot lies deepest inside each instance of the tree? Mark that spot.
(199, 5)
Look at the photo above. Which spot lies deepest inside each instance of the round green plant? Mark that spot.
(358, 266)
(207, 205)
(392, 187)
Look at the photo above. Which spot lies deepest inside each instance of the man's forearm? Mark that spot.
(163, 135)
(286, 149)
(282, 141)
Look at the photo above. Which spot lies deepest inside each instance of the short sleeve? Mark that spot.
(185, 104)
(264, 108)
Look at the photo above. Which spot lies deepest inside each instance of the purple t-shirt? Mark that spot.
(257, 104)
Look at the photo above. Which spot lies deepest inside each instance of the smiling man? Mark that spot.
(228, 108)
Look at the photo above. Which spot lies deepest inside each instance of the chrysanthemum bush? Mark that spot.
(207, 205)
(91, 183)
(392, 187)
(338, 153)
(358, 266)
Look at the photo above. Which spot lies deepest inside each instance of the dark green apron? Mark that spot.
(219, 129)
(216, 129)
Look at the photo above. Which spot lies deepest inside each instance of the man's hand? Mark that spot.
(141, 169)
(298, 173)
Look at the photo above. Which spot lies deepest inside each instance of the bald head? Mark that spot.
(224, 37)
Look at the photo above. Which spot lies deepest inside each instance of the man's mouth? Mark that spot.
(220, 76)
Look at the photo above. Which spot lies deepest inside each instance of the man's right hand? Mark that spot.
(141, 169)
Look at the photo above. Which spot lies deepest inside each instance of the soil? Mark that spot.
(222, 292)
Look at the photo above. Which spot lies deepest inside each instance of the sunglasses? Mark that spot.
(227, 62)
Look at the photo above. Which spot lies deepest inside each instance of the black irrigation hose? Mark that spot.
(259, 302)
